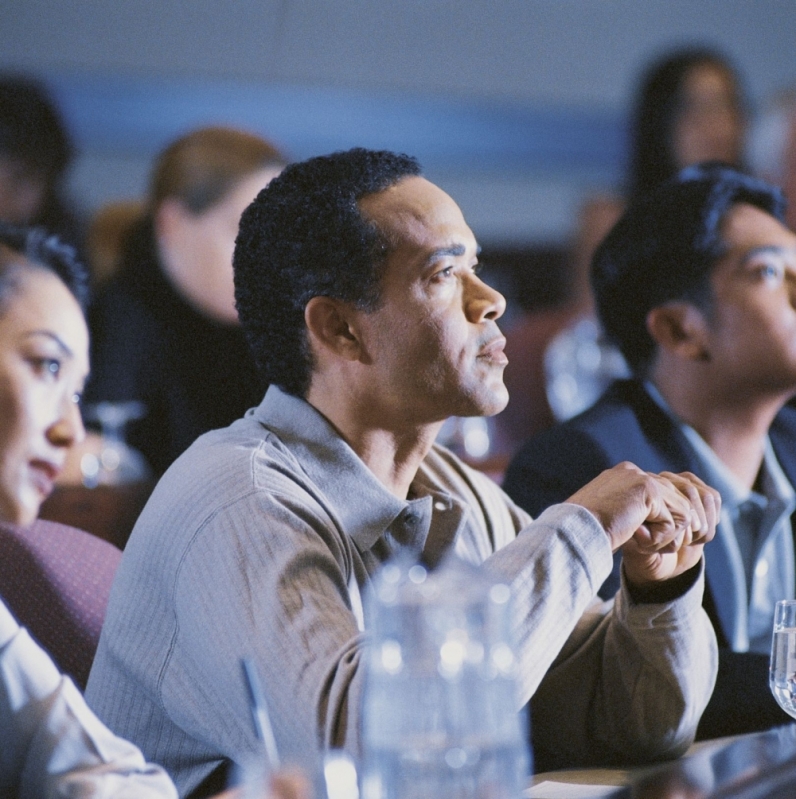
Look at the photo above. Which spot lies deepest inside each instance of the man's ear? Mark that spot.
(680, 329)
(330, 324)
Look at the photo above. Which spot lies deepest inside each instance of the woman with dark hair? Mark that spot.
(689, 109)
(35, 153)
(164, 329)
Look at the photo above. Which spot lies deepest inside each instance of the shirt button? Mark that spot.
(761, 570)
(440, 505)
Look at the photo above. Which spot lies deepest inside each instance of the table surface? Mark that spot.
(748, 766)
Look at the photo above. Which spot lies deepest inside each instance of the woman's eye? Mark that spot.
(48, 367)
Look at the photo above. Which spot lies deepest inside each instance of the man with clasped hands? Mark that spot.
(357, 285)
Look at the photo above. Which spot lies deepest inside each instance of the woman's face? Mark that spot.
(709, 125)
(196, 249)
(43, 366)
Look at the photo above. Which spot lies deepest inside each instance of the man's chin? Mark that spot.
(489, 403)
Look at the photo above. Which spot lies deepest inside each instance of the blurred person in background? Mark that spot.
(772, 147)
(106, 235)
(689, 108)
(35, 154)
(164, 329)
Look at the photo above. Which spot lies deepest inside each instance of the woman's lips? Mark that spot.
(44, 475)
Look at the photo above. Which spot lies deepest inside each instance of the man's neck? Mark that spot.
(393, 456)
(734, 423)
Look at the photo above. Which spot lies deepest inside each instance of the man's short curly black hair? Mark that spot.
(303, 237)
(46, 251)
(665, 247)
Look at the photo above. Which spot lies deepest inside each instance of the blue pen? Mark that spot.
(262, 721)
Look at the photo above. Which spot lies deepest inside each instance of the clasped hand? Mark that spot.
(661, 522)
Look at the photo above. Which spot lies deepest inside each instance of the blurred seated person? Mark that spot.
(164, 329)
(772, 147)
(540, 304)
(35, 154)
(579, 362)
(51, 744)
(689, 108)
(695, 284)
(107, 231)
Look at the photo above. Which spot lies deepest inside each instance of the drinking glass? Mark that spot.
(782, 674)
(117, 462)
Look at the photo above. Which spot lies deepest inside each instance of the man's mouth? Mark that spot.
(493, 351)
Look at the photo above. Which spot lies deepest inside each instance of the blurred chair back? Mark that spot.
(56, 581)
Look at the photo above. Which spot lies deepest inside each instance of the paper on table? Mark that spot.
(567, 790)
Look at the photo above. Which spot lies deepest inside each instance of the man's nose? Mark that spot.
(483, 302)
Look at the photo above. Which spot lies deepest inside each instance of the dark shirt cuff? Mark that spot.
(665, 590)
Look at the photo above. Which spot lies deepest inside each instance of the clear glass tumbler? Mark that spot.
(117, 463)
(782, 674)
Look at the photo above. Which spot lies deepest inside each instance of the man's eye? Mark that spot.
(770, 272)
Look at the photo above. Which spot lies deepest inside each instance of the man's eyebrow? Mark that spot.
(764, 249)
(454, 250)
(54, 337)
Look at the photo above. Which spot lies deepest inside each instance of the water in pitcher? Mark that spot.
(471, 771)
(441, 711)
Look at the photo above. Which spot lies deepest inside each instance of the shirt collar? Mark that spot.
(364, 506)
(775, 484)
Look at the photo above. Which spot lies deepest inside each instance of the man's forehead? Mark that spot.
(745, 224)
(411, 205)
(746, 233)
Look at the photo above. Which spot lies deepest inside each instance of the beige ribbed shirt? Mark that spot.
(260, 540)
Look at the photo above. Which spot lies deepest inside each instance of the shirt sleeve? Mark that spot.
(610, 682)
(633, 679)
(51, 744)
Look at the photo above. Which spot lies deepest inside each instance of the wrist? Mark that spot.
(662, 591)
